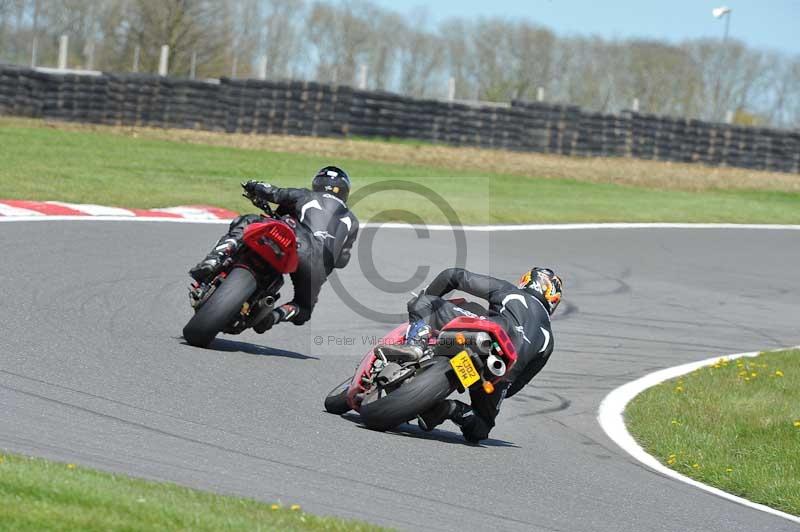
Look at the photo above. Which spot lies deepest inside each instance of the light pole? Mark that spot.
(725, 12)
(718, 13)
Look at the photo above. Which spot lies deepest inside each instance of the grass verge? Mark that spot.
(107, 166)
(38, 494)
(734, 425)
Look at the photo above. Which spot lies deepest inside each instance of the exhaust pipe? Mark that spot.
(265, 307)
(496, 365)
(483, 342)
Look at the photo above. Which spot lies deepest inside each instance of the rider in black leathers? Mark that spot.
(524, 312)
(326, 231)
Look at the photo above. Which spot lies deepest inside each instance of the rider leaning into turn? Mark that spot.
(523, 311)
(326, 231)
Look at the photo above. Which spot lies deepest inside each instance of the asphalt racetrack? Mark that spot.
(93, 370)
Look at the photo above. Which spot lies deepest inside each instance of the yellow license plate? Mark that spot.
(465, 369)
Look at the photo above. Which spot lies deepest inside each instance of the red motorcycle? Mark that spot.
(245, 291)
(467, 353)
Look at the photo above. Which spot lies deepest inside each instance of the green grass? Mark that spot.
(37, 495)
(734, 425)
(40, 162)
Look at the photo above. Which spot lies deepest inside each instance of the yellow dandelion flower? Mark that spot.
(671, 460)
(743, 374)
(729, 470)
(797, 423)
(778, 373)
(275, 507)
(294, 507)
(678, 389)
(754, 374)
(70, 466)
(696, 466)
(675, 422)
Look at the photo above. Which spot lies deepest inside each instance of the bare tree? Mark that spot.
(340, 35)
(283, 43)
(532, 51)
(384, 48)
(200, 27)
(421, 59)
(459, 57)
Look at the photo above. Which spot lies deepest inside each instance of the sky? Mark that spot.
(764, 24)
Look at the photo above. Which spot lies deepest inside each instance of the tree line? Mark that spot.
(489, 59)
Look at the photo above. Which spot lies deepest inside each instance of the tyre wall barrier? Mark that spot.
(317, 109)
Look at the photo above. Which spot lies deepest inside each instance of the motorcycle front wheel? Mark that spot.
(430, 385)
(221, 308)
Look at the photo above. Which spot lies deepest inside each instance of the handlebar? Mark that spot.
(261, 204)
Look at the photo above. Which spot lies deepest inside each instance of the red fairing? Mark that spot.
(495, 330)
(355, 393)
(275, 242)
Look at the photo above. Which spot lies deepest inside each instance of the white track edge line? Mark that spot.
(577, 226)
(611, 418)
(393, 225)
(88, 218)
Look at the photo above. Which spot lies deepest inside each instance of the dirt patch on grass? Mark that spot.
(648, 174)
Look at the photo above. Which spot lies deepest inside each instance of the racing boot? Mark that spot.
(473, 427)
(436, 415)
(285, 312)
(417, 336)
(206, 269)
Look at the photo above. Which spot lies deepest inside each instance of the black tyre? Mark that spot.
(429, 386)
(336, 400)
(221, 308)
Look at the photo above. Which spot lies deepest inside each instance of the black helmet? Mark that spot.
(543, 284)
(333, 180)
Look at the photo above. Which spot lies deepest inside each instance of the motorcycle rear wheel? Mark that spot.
(430, 385)
(336, 400)
(221, 308)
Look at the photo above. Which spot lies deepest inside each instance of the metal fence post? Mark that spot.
(136, 52)
(163, 62)
(34, 51)
(262, 67)
(729, 116)
(193, 67)
(362, 77)
(63, 45)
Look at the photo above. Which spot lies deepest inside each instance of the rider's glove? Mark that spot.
(258, 189)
